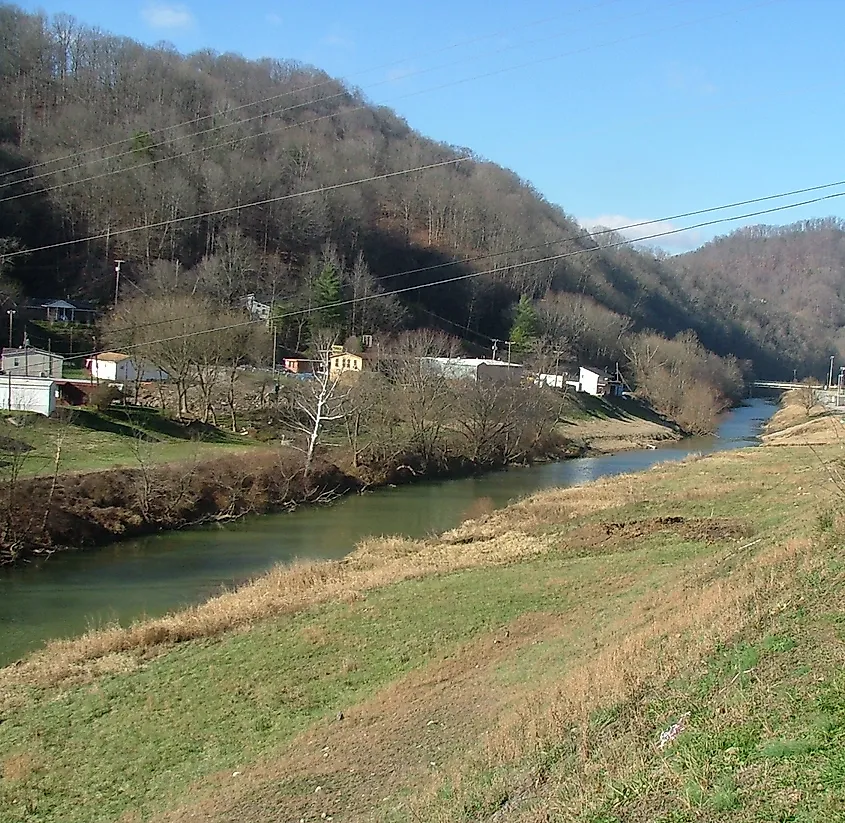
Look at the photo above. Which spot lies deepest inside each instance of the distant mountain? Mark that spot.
(165, 136)
(784, 285)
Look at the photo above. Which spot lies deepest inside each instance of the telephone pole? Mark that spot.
(117, 279)
(558, 381)
(495, 348)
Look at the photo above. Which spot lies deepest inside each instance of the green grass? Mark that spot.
(70, 373)
(215, 705)
(579, 406)
(765, 738)
(92, 440)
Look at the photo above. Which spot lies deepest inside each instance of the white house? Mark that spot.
(33, 394)
(593, 381)
(121, 368)
(557, 381)
(598, 383)
(259, 308)
(32, 362)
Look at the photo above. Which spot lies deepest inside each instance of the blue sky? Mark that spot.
(617, 110)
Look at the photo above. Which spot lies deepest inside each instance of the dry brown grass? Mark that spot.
(376, 562)
(666, 633)
(18, 767)
(504, 536)
(793, 425)
(822, 429)
(616, 434)
(501, 537)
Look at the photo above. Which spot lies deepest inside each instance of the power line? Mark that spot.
(364, 106)
(267, 201)
(471, 275)
(588, 234)
(228, 209)
(418, 307)
(271, 113)
(452, 46)
(584, 235)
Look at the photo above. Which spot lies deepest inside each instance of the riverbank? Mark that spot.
(527, 661)
(796, 425)
(599, 426)
(147, 493)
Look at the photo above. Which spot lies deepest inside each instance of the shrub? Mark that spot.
(103, 396)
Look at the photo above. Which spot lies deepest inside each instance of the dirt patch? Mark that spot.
(17, 767)
(706, 530)
(608, 533)
(401, 738)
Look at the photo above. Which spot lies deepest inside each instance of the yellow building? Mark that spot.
(344, 362)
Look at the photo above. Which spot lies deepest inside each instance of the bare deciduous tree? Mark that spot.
(317, 401)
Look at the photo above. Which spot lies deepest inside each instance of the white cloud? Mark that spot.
(167, 16)
(274, 19)
(680, 241)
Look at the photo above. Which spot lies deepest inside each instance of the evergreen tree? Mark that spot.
(327, 292)
(526, 325)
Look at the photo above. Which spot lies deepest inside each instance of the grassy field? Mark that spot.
(91, 440)
(519, 668)
(125, 436)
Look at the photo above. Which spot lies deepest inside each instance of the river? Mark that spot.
(73, 591)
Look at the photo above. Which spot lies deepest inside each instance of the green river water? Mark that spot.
(73, 591)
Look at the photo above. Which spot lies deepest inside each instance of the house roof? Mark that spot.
(473, 362)
(59, 303)
(30, 350)
(111, 357)
(18, 379)
(259, 299)
(598, 372)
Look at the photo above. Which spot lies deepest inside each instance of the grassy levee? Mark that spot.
(89, 440)
(519, 668)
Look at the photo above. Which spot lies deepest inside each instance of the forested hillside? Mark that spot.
(165, 136)
(793, 275)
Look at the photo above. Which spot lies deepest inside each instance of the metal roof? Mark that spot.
(111, 357)
(30, 350)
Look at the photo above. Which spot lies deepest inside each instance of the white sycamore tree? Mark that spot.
(318, 401)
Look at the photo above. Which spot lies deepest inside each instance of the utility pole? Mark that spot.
(495, 348)
(509, 343)
(117, 279)
(11, 313)
(558, 381)
(830, 376)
